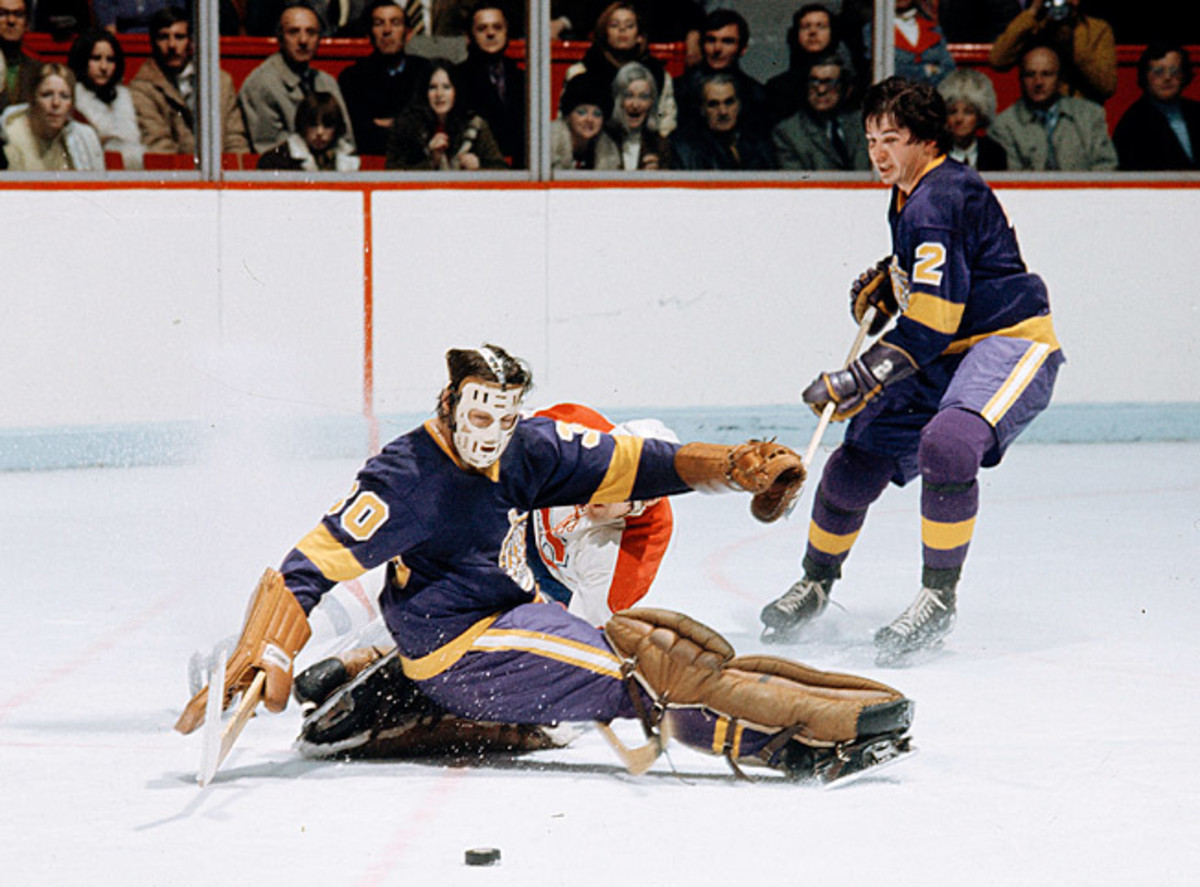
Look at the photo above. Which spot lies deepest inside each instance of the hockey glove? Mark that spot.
(884, 287)
(771, 472)
(852, 388)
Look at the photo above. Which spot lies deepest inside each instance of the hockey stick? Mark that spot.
(233, 729)
(637, 760)
(827, 413)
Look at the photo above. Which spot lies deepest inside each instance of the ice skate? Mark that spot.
(922, 626)
(801, 603)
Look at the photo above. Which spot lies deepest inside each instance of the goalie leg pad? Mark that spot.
(683, 664)
(381, 713)
(274, 631)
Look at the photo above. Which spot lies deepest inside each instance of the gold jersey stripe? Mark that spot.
(945, 537)
(617, 485)
(331, 557)
(830, 543)
(1036, 329)
(934, 312)
(437, 661)
(1018, 380)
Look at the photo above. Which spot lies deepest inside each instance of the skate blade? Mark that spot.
(885, 658)
(894, 756)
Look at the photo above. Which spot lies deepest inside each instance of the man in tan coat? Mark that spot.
(164, 92)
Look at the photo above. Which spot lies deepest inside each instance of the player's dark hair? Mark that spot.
(1159, 50)
(464, 362)
(723, 18)
(917, 107)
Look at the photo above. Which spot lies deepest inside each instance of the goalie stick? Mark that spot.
(219, 738)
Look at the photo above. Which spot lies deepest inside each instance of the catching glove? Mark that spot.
(854, 387)
(884, 287)
(771, 472)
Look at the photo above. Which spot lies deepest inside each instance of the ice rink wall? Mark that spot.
(142, 323)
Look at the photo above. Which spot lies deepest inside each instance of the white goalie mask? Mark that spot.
(485, 418)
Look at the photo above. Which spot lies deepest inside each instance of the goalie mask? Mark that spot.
(484, 419)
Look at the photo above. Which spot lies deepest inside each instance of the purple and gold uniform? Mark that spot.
(978, 327)
(461, 601)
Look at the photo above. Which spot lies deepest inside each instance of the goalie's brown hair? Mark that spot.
(464, 362)
(917, 107)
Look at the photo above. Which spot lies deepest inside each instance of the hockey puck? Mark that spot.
(482, 856)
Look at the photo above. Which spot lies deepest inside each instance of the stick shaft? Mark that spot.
(827, 413)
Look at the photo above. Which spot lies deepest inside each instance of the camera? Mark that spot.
(1057, 10)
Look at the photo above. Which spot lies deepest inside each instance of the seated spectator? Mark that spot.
(824, 134)
(970, 109)
(319, 143)
(1046, 130)
(164, 92)
(620, 38)
(921, 51)
(578, 139)
(1161, 130)
(721, 141)
(126, 16)
(273, 91)
(723, 43)
(377, 88)
(20, 67)
(493, 84)
(101, 98)
(437, 132)
(634, 124)
(664, 21)
(1084, 44)
(41, 136)
(813, 34)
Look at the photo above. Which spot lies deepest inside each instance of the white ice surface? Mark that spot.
(1058, 731)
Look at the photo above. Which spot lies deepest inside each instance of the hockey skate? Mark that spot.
(921, 627)
(803, 602)
(885, 741)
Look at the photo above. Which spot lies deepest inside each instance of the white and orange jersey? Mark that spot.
(604, 564)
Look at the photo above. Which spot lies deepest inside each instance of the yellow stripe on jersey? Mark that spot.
(945, 537)
(594, 659)
(934, 312)
(1036, 329)
(829, 543)
(1017, 381)
(437, 661)
(331, 557)
(617, 485)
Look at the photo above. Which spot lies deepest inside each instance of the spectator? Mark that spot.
(377, 88)
(1046, 130)
(1085, 46)
(438, 132)
(620, 38)
(20, 67)
(41, 135)
(970, 109)
(634, 124)
(921, 51)
(723, 43)
(273, 91)
(578, 139)
(126, 16)
(319, 143)
(824, 134)
(164, 92)
(1161, 130)
(101, 98)
(492, 83)
(814, 33)
(664, 21)
(721, 141)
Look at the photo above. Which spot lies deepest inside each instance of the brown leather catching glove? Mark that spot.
(770, 471)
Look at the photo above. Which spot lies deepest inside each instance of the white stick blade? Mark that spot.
(210, 751)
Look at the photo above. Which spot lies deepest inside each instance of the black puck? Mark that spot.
(482, 856)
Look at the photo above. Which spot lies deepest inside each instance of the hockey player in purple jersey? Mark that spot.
(969, 363)
(445, 507)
